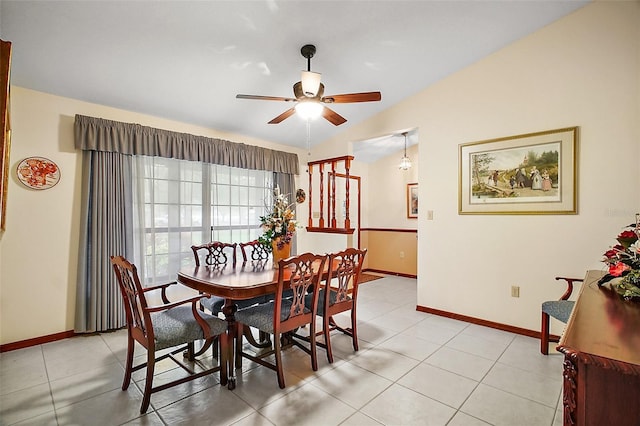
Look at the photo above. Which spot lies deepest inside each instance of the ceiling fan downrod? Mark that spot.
(308, 50)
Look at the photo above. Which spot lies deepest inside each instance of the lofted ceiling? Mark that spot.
(186, 60)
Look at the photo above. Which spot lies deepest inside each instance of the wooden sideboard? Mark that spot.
(601, 347)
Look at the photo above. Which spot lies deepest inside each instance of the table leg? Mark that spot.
(229, 311)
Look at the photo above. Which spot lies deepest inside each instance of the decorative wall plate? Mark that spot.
(300, 196)
(38, 173)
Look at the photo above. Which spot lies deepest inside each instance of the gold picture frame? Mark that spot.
(5, 128)
(412, 200)
(533, 173)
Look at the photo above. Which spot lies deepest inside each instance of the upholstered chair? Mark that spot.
(168, 325)
(340, 294)
(558, 309)
(283, 315)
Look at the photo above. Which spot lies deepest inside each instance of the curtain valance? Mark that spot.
(98, 134)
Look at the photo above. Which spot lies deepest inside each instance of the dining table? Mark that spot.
(245, 281)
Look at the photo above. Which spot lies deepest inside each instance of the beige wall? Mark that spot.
(390, 251)
(582, 70)
(385, 203)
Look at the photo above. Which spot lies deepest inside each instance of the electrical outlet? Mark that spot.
(515, 291)
(401, 255)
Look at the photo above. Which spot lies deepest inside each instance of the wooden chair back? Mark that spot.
(302, 275)
(254, 250)
(343, 280)
(135, 302)
(215, 253)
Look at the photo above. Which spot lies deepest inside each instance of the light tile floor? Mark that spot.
(412, 368)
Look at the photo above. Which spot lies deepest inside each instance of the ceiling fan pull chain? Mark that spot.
(309, 137)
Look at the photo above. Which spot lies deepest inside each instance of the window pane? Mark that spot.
(235, 215)
(161, 215)
(160, 191)
(223, 175)
(243, 196)
(222, 195)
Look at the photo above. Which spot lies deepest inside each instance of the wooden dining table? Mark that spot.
(245, 281)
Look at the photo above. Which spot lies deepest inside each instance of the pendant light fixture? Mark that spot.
(405, 162)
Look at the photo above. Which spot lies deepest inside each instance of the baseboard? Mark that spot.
(499, 326)
(397, 274)
(36, 341)
(491, 324)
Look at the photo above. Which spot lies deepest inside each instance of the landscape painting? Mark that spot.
(526, 174)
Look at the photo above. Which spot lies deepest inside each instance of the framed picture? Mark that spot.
(412, 200)
(534, 173)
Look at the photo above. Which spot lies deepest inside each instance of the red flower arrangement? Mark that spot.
(623, 261)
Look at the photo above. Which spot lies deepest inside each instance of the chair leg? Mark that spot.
(214, 350)
(146, 399)
(544, 334)
(264, 338)
(354, 329)
(190, 352)
(129, 363)
(312, 341)
(239, 336)
(223, 343)
(278, 357)
(326, 330)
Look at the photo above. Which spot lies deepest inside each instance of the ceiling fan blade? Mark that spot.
(333, 117)
(265, 98)
(288, 113)
(352, 97)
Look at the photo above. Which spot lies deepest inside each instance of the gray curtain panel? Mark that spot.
(287, 184)
(107, 216)
(106, 229)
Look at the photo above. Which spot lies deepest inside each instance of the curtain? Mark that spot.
(287, 185)
(109, 148)
(97, 134)
(106, 229)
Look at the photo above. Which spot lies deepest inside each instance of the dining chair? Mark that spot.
(254, 251)
(558, 309)
(340, 294)
(217, 255)
(161, 327)
(280, 317)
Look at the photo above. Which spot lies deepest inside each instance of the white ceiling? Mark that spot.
(186, 60)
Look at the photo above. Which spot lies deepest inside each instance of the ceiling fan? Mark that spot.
(309, 96)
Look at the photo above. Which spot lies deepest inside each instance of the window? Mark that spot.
(181, 203)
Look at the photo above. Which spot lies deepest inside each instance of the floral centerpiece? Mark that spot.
(623, 261)
(278, 224)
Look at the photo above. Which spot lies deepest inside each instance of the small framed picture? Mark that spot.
(412, 200)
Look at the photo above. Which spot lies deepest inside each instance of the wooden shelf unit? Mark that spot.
(328, 170)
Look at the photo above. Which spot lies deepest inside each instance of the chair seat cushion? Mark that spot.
(333, 295)
(177, 326)
(558, 309)
(215, 304)
(261, 316)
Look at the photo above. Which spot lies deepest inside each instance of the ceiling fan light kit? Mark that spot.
(308, 110)
(309, 96)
